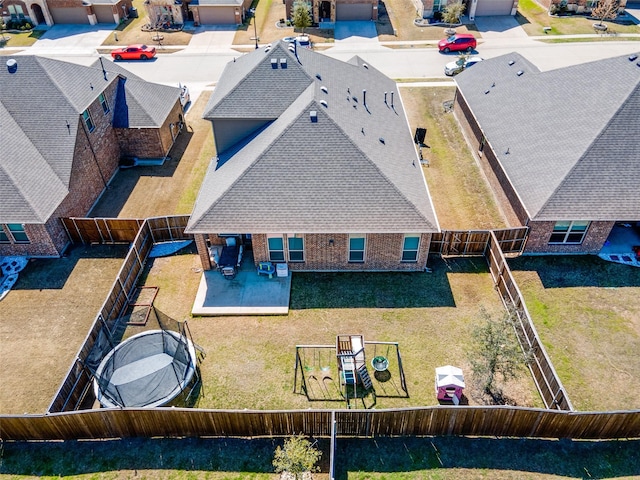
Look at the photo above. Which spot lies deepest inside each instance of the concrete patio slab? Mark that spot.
(247, 294)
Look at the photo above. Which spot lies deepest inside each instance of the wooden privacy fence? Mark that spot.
(475, 242)
(73, 391)
(420, 421)
(549, 385)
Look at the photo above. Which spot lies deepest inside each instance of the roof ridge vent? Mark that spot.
(324, 103)
(324, 89)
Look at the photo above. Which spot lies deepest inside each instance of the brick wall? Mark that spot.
(540, 232)
(383, 253)
(151, 142)
(508, 202)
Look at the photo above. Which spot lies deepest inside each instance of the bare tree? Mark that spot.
(496, 351)
(606, 10)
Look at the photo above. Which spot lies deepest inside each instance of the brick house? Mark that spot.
(338, 10)
(50, 12)
(319, 169)
(473, 8)
(560, 148)
(64, 129)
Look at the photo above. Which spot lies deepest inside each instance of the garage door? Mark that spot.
(494, 7)
(217, 15)
(69, 15)
(103, 13)
(354, 11)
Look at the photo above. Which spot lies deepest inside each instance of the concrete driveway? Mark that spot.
(72, 39)
(211, 39)
(356, 32)
(502, 26)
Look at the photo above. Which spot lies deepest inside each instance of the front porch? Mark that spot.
(246, 294)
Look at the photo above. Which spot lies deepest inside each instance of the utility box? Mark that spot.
(282, 270)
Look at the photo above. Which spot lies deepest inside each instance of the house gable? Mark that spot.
(542, 126)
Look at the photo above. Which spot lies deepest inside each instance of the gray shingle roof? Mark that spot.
(572, 134)
(354, 170)
(40, 108)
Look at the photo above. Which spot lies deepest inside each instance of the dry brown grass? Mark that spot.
(461, 196)
(45, 319)
(143, 192)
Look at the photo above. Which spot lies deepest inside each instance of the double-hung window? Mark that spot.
(104, 103)
(276, 248)
(568, 232)
(296, 248)
(88, 121)
(357, 245)
(410, 247)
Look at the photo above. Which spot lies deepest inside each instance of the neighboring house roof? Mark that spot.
(40, 108)
(567, 139)
(354, 170)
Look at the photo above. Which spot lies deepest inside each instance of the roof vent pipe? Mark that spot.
(12, 65)
(364, 98)
(391, 99)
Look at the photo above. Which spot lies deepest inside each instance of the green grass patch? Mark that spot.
(22, 39)
(588, 317)
(409, 458)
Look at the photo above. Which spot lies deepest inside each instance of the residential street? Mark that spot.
(200, 64)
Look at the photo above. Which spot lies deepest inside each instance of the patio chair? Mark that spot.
(266, 268)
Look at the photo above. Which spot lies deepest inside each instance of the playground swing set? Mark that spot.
(340, 372)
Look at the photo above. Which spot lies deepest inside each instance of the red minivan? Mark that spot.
(457, 43)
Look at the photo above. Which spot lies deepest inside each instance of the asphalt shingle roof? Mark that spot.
(568, 139)
(40, 107)
(354, 170)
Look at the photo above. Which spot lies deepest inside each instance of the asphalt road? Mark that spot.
(199, 67)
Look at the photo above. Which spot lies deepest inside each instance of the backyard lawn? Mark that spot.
(587, 314)
(45, 319)
(250, 360)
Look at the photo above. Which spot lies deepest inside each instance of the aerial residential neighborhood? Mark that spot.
(319, 239)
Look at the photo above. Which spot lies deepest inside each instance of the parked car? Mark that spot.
(458, 42)
(134, 52)
(453, 68)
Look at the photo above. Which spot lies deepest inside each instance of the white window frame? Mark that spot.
(10, 233)
(573, 228)
(88, 121)
(290, 250)
(102, 98)
(271, 252)
(406, 250)
(352, 251)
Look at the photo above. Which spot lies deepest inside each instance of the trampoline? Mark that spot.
(149, 369)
